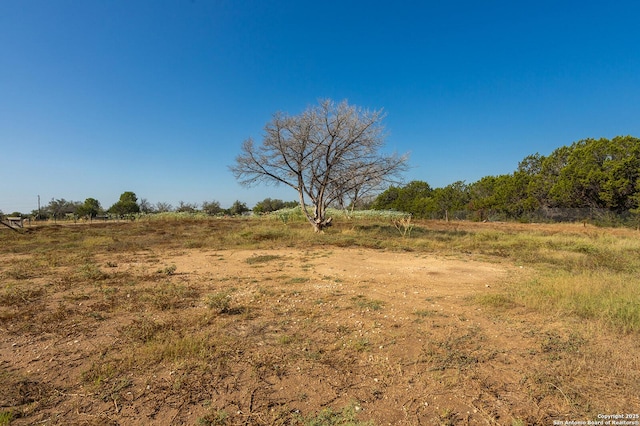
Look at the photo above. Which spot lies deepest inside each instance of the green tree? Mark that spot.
(126, 205)
(453, 197)
(238, 208)
(211, 207)
(91, 208)
(482, 199)
(582, 177)
(635, 205)
(388, 199)
(510, 195)
(506, 195)
(622, 173)
(599, 173)
(59, 208)
(547, 186)
(413, 198)
(269, 205)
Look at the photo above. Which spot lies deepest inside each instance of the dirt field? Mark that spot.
(320, 335)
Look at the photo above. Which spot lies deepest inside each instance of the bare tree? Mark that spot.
(328, 154)
(187, 207)
(145, 206)
(162, 207)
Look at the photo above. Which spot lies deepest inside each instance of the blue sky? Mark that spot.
(156, 96)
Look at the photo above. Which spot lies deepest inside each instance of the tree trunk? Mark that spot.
(317, 220)
(320, 225)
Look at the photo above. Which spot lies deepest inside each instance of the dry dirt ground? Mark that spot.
(199, 336)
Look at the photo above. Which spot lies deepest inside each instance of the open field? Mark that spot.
(261, 322)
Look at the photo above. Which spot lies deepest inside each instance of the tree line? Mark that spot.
(128, 204)
(589, 175)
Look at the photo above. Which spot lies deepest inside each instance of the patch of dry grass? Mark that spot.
(107, 305)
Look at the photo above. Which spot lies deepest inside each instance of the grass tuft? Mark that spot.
(216, 418)
(348, 416)
(220, 301)
(497, 301)
(363, 302)
(262, 259)
(6, 416)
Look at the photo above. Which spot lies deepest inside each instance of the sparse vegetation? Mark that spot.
(219, 301)
(262, 323)
(217, 418)
(329, 417)
(261, 259)
(169, 270)
(363, 302)
(5, 418)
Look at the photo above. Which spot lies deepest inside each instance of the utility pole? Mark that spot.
(38, 218)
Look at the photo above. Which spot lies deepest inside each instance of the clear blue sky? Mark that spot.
(156, 96)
